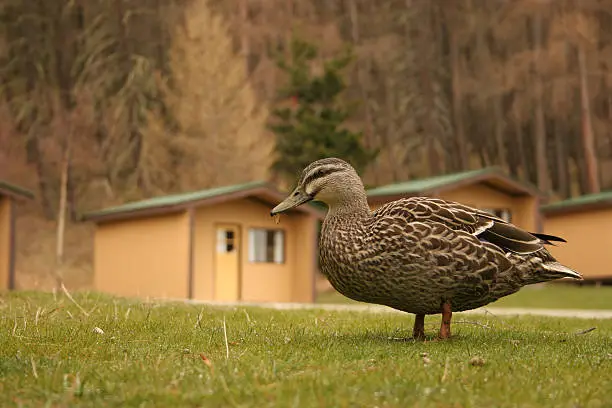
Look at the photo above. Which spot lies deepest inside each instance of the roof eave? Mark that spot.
(99, 217)
(576, 208)
(514, 187)
(263, 190)
(383, 198)
(276, 196)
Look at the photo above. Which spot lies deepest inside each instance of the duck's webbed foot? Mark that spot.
(447, 314)
(418, 331)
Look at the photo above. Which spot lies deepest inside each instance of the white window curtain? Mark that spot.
(257, 245)
(279, 247)
(251, 245)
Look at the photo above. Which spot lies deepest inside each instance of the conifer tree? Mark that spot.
(311, 127)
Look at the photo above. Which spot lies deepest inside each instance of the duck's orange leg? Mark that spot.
(418, 332)
(447, 314)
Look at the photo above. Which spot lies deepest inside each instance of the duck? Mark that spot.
(420, 255)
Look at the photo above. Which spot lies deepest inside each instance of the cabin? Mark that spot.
(586, 223)
(488, 189)
(10, 196)
(219, 244)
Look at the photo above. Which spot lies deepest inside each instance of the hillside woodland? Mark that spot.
(103, 102)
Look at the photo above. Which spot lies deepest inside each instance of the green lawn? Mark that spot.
(554, 296)
(155, 354)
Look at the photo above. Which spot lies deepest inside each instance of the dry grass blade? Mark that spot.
(50, 312)
(581, 332)
(38, 313)
(69, 296)
(225, 336)
(34, 372)
(247, 315)
(199, 319)
(445, 374)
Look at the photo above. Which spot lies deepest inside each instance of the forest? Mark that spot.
(107, 101)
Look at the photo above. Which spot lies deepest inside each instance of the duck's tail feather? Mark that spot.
(556, 271)
(548, 239)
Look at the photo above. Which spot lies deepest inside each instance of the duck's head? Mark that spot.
(332, 181)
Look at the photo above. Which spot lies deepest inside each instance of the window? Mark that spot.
(266, 245)
(226, 240)
(503, 213)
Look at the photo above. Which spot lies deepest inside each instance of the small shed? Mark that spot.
(486, 189)
(586, 223)
(219, 244)
(10, 194)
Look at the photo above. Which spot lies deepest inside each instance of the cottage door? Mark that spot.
(227, 263)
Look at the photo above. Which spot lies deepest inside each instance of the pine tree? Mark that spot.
(311, 127)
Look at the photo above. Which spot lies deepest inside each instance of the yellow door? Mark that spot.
(227, 263)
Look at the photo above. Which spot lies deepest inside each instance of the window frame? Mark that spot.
(283, 253)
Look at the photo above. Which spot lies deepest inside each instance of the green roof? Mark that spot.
(578, 202)
(15, 189)
(172, 200)
(434, 183)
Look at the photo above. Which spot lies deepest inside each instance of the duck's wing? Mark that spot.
(485, 226)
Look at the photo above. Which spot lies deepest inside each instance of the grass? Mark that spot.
(141, 354)
(553, 296)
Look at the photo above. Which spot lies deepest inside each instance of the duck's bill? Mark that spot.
(290, 202)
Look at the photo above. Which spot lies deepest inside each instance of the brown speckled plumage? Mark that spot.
(416, 254)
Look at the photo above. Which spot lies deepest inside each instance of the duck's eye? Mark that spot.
(296, 194)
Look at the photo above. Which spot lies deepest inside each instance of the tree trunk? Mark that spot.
(162, 44)
(462, 147)
(34, 156)
(482, 155)
(71, 195)
(500, 122)
(290, 7)
(540, 125)
(361, 83)
(513, 163)
(125, 61)
(425, 40)
(270, 75)
(390, 130)
(588, 138)
(520, 145)
(245, 46)
(61, 217)
(561, 159)
(578, 157)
